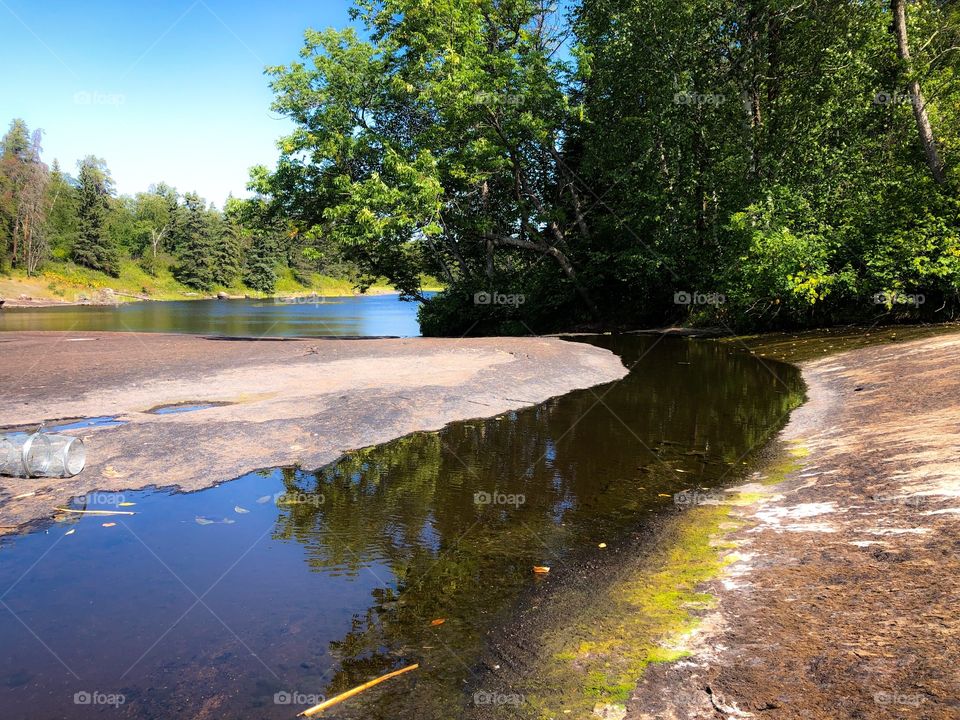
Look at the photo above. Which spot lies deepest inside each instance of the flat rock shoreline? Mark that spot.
(841, 599)
(280, 401)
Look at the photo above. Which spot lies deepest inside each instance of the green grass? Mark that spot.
(66, 282)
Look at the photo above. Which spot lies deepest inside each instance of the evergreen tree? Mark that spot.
(259, 272)
(94, 247)
(195, 249)
(225, 248)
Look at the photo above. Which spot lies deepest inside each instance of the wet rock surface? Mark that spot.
(842, 600)
(276, 402)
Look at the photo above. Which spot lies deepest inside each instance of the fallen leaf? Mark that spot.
(541, 569)
(264, 499)
(663, 495)
(602, 545)
(109, 524)
(71, 531)
(438, 621)
(125, 504)
(238, 509)
(202, 520)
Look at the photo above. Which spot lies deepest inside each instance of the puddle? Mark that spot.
(316, 582)
(65, 424)
(186, 407)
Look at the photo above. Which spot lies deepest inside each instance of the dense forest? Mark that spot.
(745, 163)
(49, 217)
(750, 163)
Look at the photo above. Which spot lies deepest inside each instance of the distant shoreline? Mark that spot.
(115, 298)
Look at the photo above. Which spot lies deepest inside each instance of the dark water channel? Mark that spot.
(282, 584)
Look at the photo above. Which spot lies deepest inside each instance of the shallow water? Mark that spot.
(337, 576)
(365, 315)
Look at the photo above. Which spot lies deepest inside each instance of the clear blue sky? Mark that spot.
(164, 90)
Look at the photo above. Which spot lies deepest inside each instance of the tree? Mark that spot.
(924, 129)
(62, 225)
(154, 214)
(259, 269)
(196, 259)
(24, 202)
(225, 248)
(434, 147)
(94, 247)
(30, 243)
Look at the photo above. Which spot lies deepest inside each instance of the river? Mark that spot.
(359, 316)
(253, 598)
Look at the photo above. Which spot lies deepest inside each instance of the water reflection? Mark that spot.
(343, 573)
(365, 315)
(461, 516)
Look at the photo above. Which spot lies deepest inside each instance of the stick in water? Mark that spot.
(96, 512)
(356, 691)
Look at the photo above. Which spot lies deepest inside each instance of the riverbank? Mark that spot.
(66, 284)
(276, 402)
(839, 596)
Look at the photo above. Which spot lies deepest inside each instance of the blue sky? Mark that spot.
(165, 90)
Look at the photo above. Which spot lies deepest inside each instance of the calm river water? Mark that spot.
(363, 315)
(251, 598)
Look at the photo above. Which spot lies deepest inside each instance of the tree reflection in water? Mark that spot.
(442, 510)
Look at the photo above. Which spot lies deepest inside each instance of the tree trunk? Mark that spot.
(562, 261)
(898, 8)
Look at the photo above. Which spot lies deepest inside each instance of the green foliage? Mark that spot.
(760, 150)
(47, 215)
(94, 247)
(195, 245)
(259, 271)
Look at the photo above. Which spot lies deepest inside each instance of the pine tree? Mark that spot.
(94, 248)
(196, 266)
(225, 247)
(259, 272)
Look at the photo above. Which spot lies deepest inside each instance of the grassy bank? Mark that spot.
(68, 283)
